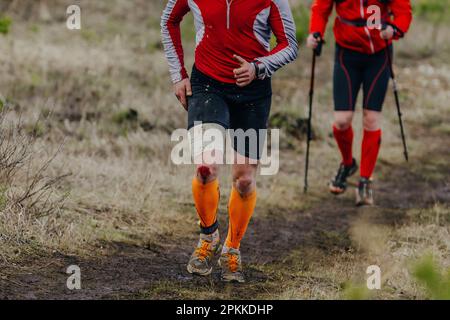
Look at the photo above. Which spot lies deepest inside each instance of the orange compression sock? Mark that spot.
(240, 211)
(206, 198)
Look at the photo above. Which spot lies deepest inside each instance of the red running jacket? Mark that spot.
(397, 13)
(228, 27)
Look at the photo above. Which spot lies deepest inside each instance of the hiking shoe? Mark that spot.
(230, 262)
(200, 262)
(339, 184)
(364, 193)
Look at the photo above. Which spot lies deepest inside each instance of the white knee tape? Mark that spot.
(207, 139)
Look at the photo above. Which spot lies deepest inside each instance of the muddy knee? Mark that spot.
(207, 173)
(244, 185)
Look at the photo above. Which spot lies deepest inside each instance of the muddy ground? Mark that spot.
(157, 270)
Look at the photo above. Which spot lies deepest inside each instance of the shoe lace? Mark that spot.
(203, 251)
(233, 262)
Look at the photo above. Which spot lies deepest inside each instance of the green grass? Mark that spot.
(355, 292)
(435, 11)
(435, 281)
(125, 116)
(5, 24)
(301, 18)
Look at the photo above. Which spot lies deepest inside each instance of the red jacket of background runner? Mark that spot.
(397, 13)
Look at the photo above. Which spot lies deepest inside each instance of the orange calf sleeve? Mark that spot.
(206, 198)
(240, 210)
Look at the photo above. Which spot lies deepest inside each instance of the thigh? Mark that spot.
(347, 79)
(208, 117)
(249, 121)
(376, 80)
(207, 105)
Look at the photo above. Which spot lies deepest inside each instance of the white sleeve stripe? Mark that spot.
(175, 66)
(288, 54)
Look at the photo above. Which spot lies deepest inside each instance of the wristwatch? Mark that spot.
(397, 31)
(260, 70)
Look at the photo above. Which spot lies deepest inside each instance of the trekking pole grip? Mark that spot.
(318, 49)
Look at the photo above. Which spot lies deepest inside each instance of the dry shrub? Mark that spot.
(30, 197)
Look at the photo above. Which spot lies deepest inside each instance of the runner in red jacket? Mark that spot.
(226, 28)
(364, 30)
(230, 87)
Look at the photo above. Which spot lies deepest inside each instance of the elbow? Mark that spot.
(165, 25)
(293, 45)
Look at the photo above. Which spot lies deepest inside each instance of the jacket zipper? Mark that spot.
(365, 28)
(229, 2)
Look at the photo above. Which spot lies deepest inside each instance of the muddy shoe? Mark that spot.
(339, 184)
(364, 193)
(230, 262)
(201, 260)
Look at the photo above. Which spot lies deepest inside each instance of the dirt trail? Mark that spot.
(156, 271)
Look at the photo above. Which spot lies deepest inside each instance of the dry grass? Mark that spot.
(122, 184)
(31, 197)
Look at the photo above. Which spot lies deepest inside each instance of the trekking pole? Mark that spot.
(316, 53)
(397, 100)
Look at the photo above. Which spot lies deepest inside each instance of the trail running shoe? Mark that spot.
(339, 184)
(230, 262)
(201, 260)
(364, 193)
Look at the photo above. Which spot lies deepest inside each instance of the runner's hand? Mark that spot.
(183, 90)
(312, 42)
(245, 74)
(387, 33)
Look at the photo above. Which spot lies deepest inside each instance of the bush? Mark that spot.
(432, 10)
(5, 24)
(125, 116)
(26, 189)
(428, 274)
(301, 18)
(291, 123)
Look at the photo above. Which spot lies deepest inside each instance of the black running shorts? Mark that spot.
(231, 107)
(352, 70)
